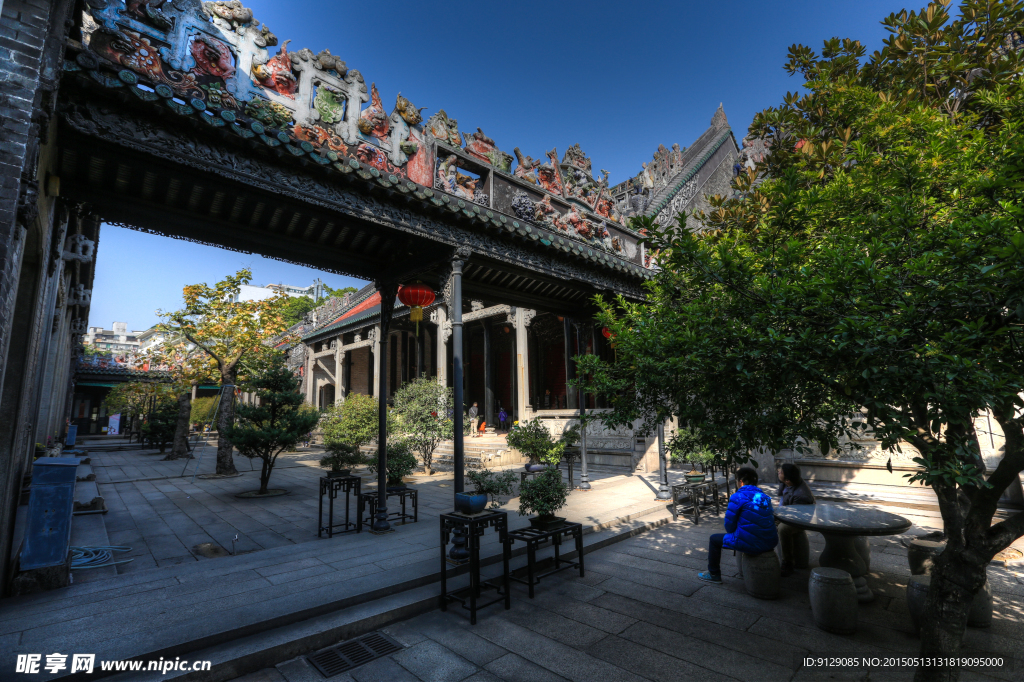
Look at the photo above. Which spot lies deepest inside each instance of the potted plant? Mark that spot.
(340, 459)
(543, 495)
(488, 484)
(686, 446)
(401, 463)
(533, 439)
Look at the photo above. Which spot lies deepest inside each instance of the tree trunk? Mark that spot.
(265, 476)
(955, 581)
(225, 419)
(180, 447)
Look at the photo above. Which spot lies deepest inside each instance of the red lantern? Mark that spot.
(606, 332)
(415, 296)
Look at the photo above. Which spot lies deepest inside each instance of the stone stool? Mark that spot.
(833, 600)
(917, 592)
(921, 555)
(762, 574)
(980, 615)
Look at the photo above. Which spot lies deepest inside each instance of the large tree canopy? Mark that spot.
(873, 265)
(233, 334)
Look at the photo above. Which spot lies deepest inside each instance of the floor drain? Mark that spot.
(353, 653)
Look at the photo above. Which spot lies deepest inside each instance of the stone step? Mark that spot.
(85, 473)
(88, 498)
(279, 645)
(90, 530)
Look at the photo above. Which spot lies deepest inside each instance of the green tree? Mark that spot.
(421, 413)
(870, 266)
(276, 422)
(353, 422)
(203, 410)
(338, 293)
(159, 425)
(233, 334)
(295, 308)
(135, 400)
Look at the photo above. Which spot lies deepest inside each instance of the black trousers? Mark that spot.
(715, 554)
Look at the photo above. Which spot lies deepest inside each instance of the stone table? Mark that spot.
(845, 526)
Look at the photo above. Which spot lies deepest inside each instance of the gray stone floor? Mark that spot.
(641, 614)
(163, 515)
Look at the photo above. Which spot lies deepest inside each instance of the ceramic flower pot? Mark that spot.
(695, 478)
(545, 522)
(339, 473)
(470, 503)
(536, 467)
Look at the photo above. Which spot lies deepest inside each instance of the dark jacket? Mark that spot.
(800, 494)
(750, 522)
(473, 412)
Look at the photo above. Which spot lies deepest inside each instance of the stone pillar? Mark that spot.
(523, 318)
(459, 551)
(376, 386)
(570, 366)
(488, 411)
(388, 291)
(310, 384)
(421, 352)
(340, 374)
(440, 317)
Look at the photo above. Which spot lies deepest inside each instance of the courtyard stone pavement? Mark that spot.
(640, 613)
(170, 596)
(163, 515)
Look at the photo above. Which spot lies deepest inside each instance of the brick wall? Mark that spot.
(362, 370)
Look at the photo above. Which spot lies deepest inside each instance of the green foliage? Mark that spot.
(353, 422)
(158, 426)
(491, 484)
(338, 293)
(421, 410)
(401, 462)
(295, 308)
(543, 494)
(534, 440)
(870, 267)
(203, 410)
(571, 434)
(342, 456)
(687, 446)
(278, 421)
(137, 397)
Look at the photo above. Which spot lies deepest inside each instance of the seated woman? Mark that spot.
(749, 525)
(792, 490)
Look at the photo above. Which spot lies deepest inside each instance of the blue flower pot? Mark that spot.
(470, 503)
(536, 467)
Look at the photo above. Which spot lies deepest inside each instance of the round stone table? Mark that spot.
(843, 526)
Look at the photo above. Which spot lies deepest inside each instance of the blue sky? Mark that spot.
(619, 78)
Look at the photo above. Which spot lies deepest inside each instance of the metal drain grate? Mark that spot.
(353, 653)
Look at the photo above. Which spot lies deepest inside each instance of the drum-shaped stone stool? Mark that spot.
(980, 615)
(833, 600)
(762, 574)
(921, 554)
(917, 592)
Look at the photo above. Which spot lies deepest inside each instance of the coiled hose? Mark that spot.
(96, 557)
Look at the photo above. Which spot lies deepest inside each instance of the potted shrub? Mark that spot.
(340, 459)
(488, 485)
(687, 446)
(401, 463)
(533, 439)
(543, 495)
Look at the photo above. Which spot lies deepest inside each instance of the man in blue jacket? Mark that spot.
(749, 525)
